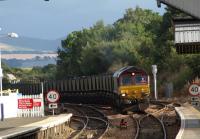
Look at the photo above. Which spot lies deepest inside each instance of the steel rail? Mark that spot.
(157, 119)
(138, 128)
(166, 106)
(105, 128)
(76, 134)
(96, 115)
(101, 117)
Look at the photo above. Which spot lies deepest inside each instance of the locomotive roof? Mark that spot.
(127, 69)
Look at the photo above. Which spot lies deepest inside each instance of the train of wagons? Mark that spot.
(130, 84)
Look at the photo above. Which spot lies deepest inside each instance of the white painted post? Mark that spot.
(42, 99)
(154, 71)
(19, 111)
(53, 111)
(33, 109)
(26, 110)
(1, 75)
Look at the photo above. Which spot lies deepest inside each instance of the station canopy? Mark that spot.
(187, 29)
(187, 36)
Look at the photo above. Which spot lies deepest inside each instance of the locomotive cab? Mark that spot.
(132, 83)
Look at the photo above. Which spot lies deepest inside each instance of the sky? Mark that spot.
(54, 19)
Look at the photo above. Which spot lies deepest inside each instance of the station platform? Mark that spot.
(13, 127)
(190, 122)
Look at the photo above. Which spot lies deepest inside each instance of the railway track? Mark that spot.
(159, 122)
(150, 127)
(116, 131)
(87, 121)
(170, 120)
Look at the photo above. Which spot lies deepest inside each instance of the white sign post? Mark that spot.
(53, 97)
(154, 71)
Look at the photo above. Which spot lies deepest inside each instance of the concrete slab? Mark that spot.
(190, 116)
(18, 126)
(189, 133)
(9, 123)
(190, 123)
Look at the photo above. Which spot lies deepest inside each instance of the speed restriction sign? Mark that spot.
(53, 96)
(194, 89)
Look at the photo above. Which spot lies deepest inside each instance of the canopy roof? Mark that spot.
(190, 7)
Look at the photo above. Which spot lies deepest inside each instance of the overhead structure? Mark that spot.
(190, 7)
(186, 30)
(187, 36)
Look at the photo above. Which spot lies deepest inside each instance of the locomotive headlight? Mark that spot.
(123, 95)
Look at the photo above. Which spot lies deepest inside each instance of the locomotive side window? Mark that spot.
(126, 80)
(140, 79)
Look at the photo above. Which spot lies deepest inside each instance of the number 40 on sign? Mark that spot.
(194, 89)
(53, 96)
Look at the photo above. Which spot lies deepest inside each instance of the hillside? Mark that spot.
(28, 45)
(24, 52)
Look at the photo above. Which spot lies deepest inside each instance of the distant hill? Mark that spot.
(29, 63)
(26, 44)
(25, 52)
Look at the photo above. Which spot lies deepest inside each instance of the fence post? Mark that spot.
(42, 99)
(2, 112)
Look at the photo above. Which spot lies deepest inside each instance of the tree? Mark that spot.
(69, 56)
(125, 42)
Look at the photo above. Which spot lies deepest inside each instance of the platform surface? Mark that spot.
(190, 122)
(17, 126)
